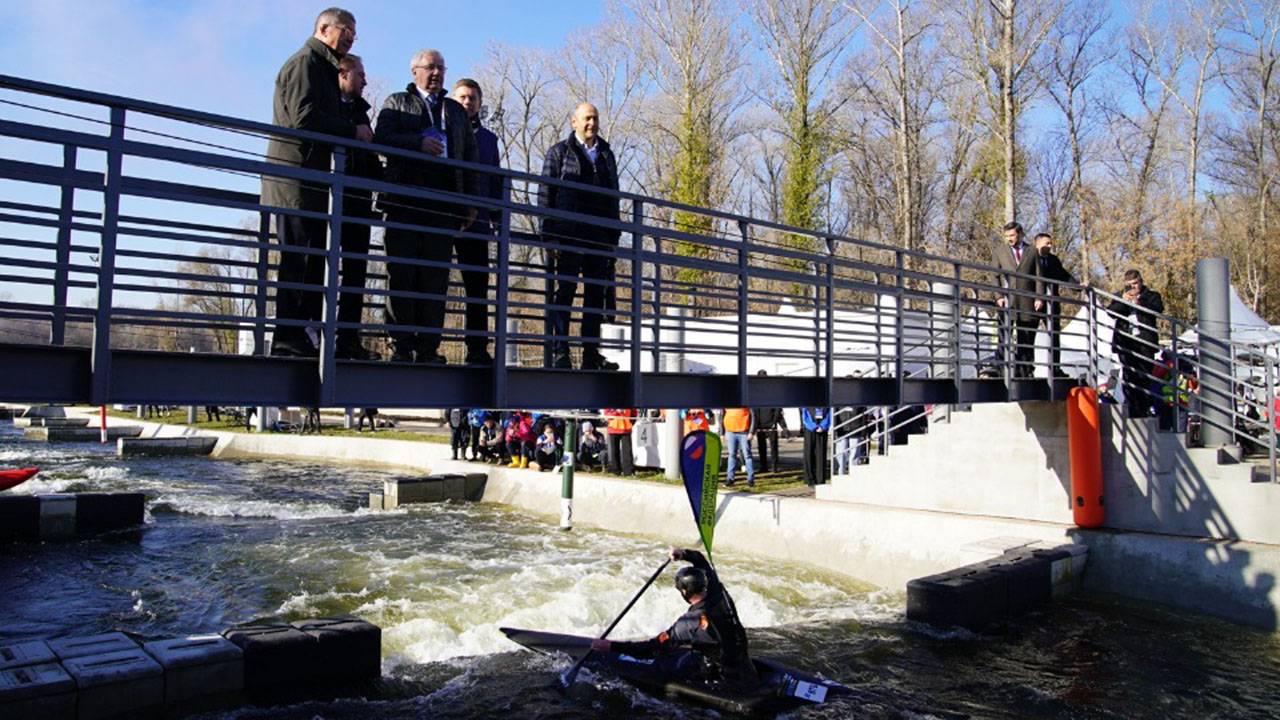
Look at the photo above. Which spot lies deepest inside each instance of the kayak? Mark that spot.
(12, 478)
(781, 688)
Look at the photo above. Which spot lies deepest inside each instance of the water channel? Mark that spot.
(227, 542)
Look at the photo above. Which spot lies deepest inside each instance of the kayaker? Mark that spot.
(706, 642)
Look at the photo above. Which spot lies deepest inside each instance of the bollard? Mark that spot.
(191, 414)
(102, 416)
(566, 485)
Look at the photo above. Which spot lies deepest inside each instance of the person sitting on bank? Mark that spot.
(492, 448)
(520, 438)
(591, 451)
(547, 450)
(708, 641)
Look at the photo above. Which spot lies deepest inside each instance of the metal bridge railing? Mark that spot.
(133, 227)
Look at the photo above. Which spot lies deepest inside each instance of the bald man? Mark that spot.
(583, 247)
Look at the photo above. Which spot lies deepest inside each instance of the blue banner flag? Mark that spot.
(700, 466)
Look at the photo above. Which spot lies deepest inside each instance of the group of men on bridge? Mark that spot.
(319, 89)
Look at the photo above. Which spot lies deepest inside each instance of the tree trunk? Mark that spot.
(1006, 96)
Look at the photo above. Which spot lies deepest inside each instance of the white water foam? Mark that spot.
(192, 503)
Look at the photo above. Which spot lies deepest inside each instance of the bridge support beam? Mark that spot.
(1216, 391)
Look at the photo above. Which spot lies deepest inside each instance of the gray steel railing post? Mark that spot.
(637, 303)
(66, 215)
(830, 370)
(899, 325)
(101, 357)
(263, 277)
(957, 317)
(1092, 299)
(815, 296)
(1175, 377)
(1269, 372)
(329, 331)
(743, 317)
(879, 324)
(657, 303)
(502, 295)
(1009, 348)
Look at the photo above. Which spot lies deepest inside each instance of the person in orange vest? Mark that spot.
(619, 432)
(739, 427)
(696, 419)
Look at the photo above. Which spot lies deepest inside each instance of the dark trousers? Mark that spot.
(546, 460)
(475, 283)
(815, 457)
(620, 459)
(768, 440)
(426, 313)
(1137, 381)
(520, 449)
(294, 303)
(459, 439)
(1024, 354)
(353, 272)
(591, 267)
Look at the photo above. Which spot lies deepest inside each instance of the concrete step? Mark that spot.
(81, 434)
(186, 445)
(38, 421)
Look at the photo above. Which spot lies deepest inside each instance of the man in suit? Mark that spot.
(1016, 256)
(422, 119)
(1135, 340)
(1049, 267)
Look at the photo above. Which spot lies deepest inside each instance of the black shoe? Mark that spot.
(597, 362)
(431, 357)
(479, 357)
(291, 350)
(562, 362)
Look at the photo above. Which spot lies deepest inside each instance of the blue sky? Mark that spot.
(222, 55)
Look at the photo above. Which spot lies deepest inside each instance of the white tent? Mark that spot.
(1246, 326)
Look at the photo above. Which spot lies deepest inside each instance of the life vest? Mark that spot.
(620, 420)
(695, 420)
(737, 420)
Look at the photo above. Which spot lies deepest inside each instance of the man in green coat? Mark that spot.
(306, 98)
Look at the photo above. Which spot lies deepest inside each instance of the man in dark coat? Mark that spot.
(306, 98)
(1017, 256)
(422, 119)
(585, 248)
(356, 203)
(471, 251)
(769, 422)
(1049, 267)
(1135, 339)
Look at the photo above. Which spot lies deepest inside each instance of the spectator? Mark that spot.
(520, 438)
(475, 420)
(619, 431)
(422, 119)
(492, 448)
(739, 427)
(592, 450)
(212, 412)
(696, 419)
(817, 423)
(1134, 339)
(583, 157)
(306, 98)
(370, 414)
(472, 249)
(769, 422)
(1017, 257)
(356, 203)
(1049, 266)
(847, 425)
(547, 448)
(459, 432)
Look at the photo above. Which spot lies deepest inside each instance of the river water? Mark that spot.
(228, 542)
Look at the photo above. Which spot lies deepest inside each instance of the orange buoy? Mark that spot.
(1085, 439)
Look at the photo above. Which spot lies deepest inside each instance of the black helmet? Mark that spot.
(691, 581)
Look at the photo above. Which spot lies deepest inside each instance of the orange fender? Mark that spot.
(1085, 439)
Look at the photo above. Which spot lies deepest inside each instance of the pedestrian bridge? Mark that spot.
(137, 265)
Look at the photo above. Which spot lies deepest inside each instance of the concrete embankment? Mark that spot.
(882, 545)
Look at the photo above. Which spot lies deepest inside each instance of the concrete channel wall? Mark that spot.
(878, 543)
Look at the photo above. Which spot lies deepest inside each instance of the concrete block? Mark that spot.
(454, 487)
(165, 446)
(33, 652)
(414, 490)
(26, 422)
(37, 692)
(376, 502)
(1066, 567)
(198, 666)
(350, 648)
(475, 483)
(275, 655)
(99, 512)
(45, 411)
(970, 597)
(85, 645)
(19, 517)
(57, 516)
(81, 434)
(1028, 581)
(127, 683)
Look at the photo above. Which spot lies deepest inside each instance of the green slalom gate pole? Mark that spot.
(566, 477)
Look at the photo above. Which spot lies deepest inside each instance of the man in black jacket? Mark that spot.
(708, 641)
(422, 119)
(585, 248)
(769, 422)
(356, 203)
(1050, 267)
(306, 98)
(1135, 340)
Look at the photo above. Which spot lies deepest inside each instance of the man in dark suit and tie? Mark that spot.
(1016, 256)
(1049, 267)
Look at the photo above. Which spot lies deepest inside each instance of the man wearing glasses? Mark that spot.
(306, 98)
